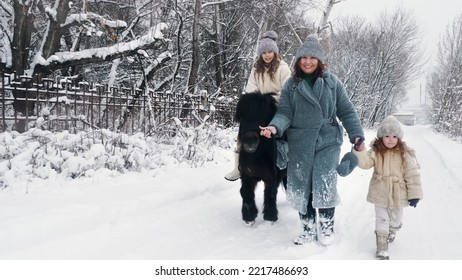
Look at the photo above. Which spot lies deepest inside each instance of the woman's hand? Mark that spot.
(267, 131)
(359, 144)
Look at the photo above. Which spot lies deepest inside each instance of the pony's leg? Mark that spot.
(249, 208)
(270, 210)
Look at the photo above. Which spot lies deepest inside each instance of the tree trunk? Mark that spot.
(195, 60)
(323, 23)
(219, 76)
(54, 33)
(23, 25)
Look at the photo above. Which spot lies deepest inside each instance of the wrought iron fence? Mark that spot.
(64, 104)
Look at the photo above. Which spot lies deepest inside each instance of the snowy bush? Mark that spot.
(42, 154)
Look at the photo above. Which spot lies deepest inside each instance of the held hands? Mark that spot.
(267, 131)
(413, 202)
(359, 143)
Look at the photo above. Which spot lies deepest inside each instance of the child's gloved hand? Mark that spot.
(413, 202)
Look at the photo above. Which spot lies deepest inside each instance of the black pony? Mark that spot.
(257, 155)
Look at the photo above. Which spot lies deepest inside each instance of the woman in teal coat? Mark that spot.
(312, 103)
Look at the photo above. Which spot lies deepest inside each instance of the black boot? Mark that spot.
(326, 226)
(309, 226)
(309, 233)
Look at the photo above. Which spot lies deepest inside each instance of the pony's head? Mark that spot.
(254, 110)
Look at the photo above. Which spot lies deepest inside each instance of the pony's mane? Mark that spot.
(256, 107)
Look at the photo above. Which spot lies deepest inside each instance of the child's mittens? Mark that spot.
(347, 164)
(413, 202)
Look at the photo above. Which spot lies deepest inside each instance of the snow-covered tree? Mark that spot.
(377, 61)
(81, 40)
(44, 36)
(231, 30)
(172, 45)
(444, 84)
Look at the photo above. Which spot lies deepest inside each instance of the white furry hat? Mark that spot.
(268, 42)
(390, 126)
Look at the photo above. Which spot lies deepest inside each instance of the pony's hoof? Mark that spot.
(249, 223)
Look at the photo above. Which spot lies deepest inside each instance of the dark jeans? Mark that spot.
(311, 212)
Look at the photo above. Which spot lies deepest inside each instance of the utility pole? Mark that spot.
(420, 93)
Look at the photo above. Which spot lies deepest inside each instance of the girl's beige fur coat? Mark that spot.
(395, 180)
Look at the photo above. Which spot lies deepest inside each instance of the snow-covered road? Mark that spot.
(180, 212)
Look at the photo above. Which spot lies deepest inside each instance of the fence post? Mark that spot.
(25, 84)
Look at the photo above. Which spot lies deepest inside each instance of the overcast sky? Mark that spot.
(433, 15)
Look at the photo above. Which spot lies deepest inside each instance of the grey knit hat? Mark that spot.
(311, 47)
(268, 42)
(390, 126)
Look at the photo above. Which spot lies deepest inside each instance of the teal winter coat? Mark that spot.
(311, 119)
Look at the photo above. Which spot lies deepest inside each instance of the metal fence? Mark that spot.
(59, 105)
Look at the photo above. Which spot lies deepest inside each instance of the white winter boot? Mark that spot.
(392, 233)
(382, 245)
(235, 173)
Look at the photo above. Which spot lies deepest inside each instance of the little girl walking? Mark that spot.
(395, 182)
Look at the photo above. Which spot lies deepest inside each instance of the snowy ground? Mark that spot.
(181, 213)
